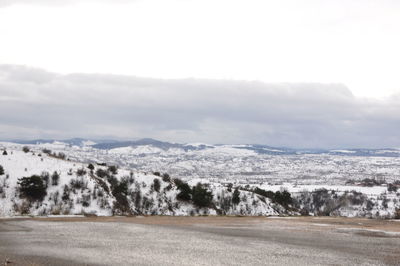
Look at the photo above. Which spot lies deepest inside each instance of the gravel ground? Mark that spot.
(199, 241)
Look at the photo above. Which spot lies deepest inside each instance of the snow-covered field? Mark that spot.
(233, 163)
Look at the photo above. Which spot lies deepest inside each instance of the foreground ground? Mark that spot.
(199, 241)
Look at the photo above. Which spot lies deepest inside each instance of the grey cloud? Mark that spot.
(35, 103)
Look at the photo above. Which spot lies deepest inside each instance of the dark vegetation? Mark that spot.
(120, 192)
(325, 202)
(393, 187)
(156, 184)
(166, 178)
(59, 155)
(81, 172)
(55, 178)
(236, 196)
(113, 169)
(46, 151)
(283, 198)
(199, 194)
(32, 188)
(101, 173)
(185, 193)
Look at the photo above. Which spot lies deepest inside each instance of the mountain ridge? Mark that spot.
(108, 144)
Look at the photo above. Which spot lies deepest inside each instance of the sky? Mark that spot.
(293, 73)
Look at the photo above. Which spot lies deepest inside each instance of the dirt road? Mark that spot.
(199, 241)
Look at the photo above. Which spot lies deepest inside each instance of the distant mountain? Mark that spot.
(367, 152)
(258, 148)
(150, 142)
(73, 142)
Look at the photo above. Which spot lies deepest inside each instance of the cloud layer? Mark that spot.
(35, 103)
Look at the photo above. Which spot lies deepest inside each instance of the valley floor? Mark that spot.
(161, 240)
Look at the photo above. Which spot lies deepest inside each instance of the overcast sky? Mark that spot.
(309, 73)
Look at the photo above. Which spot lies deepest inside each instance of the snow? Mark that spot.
(146, 149)
(198, 144)
(235, 164)
(216, 167)
(19, 164)
(88, 143)
(227, 151)
(373, 191)
(343, 151)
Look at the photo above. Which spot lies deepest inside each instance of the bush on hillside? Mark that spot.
(90, 167)
(266, 193)
(236, 196)
(32, 188)
(46, 151)
(392, 188)
(60, 155)
(201, 196)
(65, 196)
(80, 172)
(78, 183)
(185, 193)
(283, 198)
(101, 173)
(46, 177)
(113, 169)
(55, 177)
(121, 205)
(156, 184)
(25, 149)
(118, 187)
(166, 178)
(1, 170)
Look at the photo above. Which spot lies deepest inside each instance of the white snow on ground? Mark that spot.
(88, 143)
(343, 151)
(226, 150)
(136, 150)
(372, 191)
(18, 164)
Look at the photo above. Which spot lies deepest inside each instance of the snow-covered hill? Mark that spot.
(79, 190)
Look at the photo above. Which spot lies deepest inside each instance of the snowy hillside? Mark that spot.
(70, 187)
